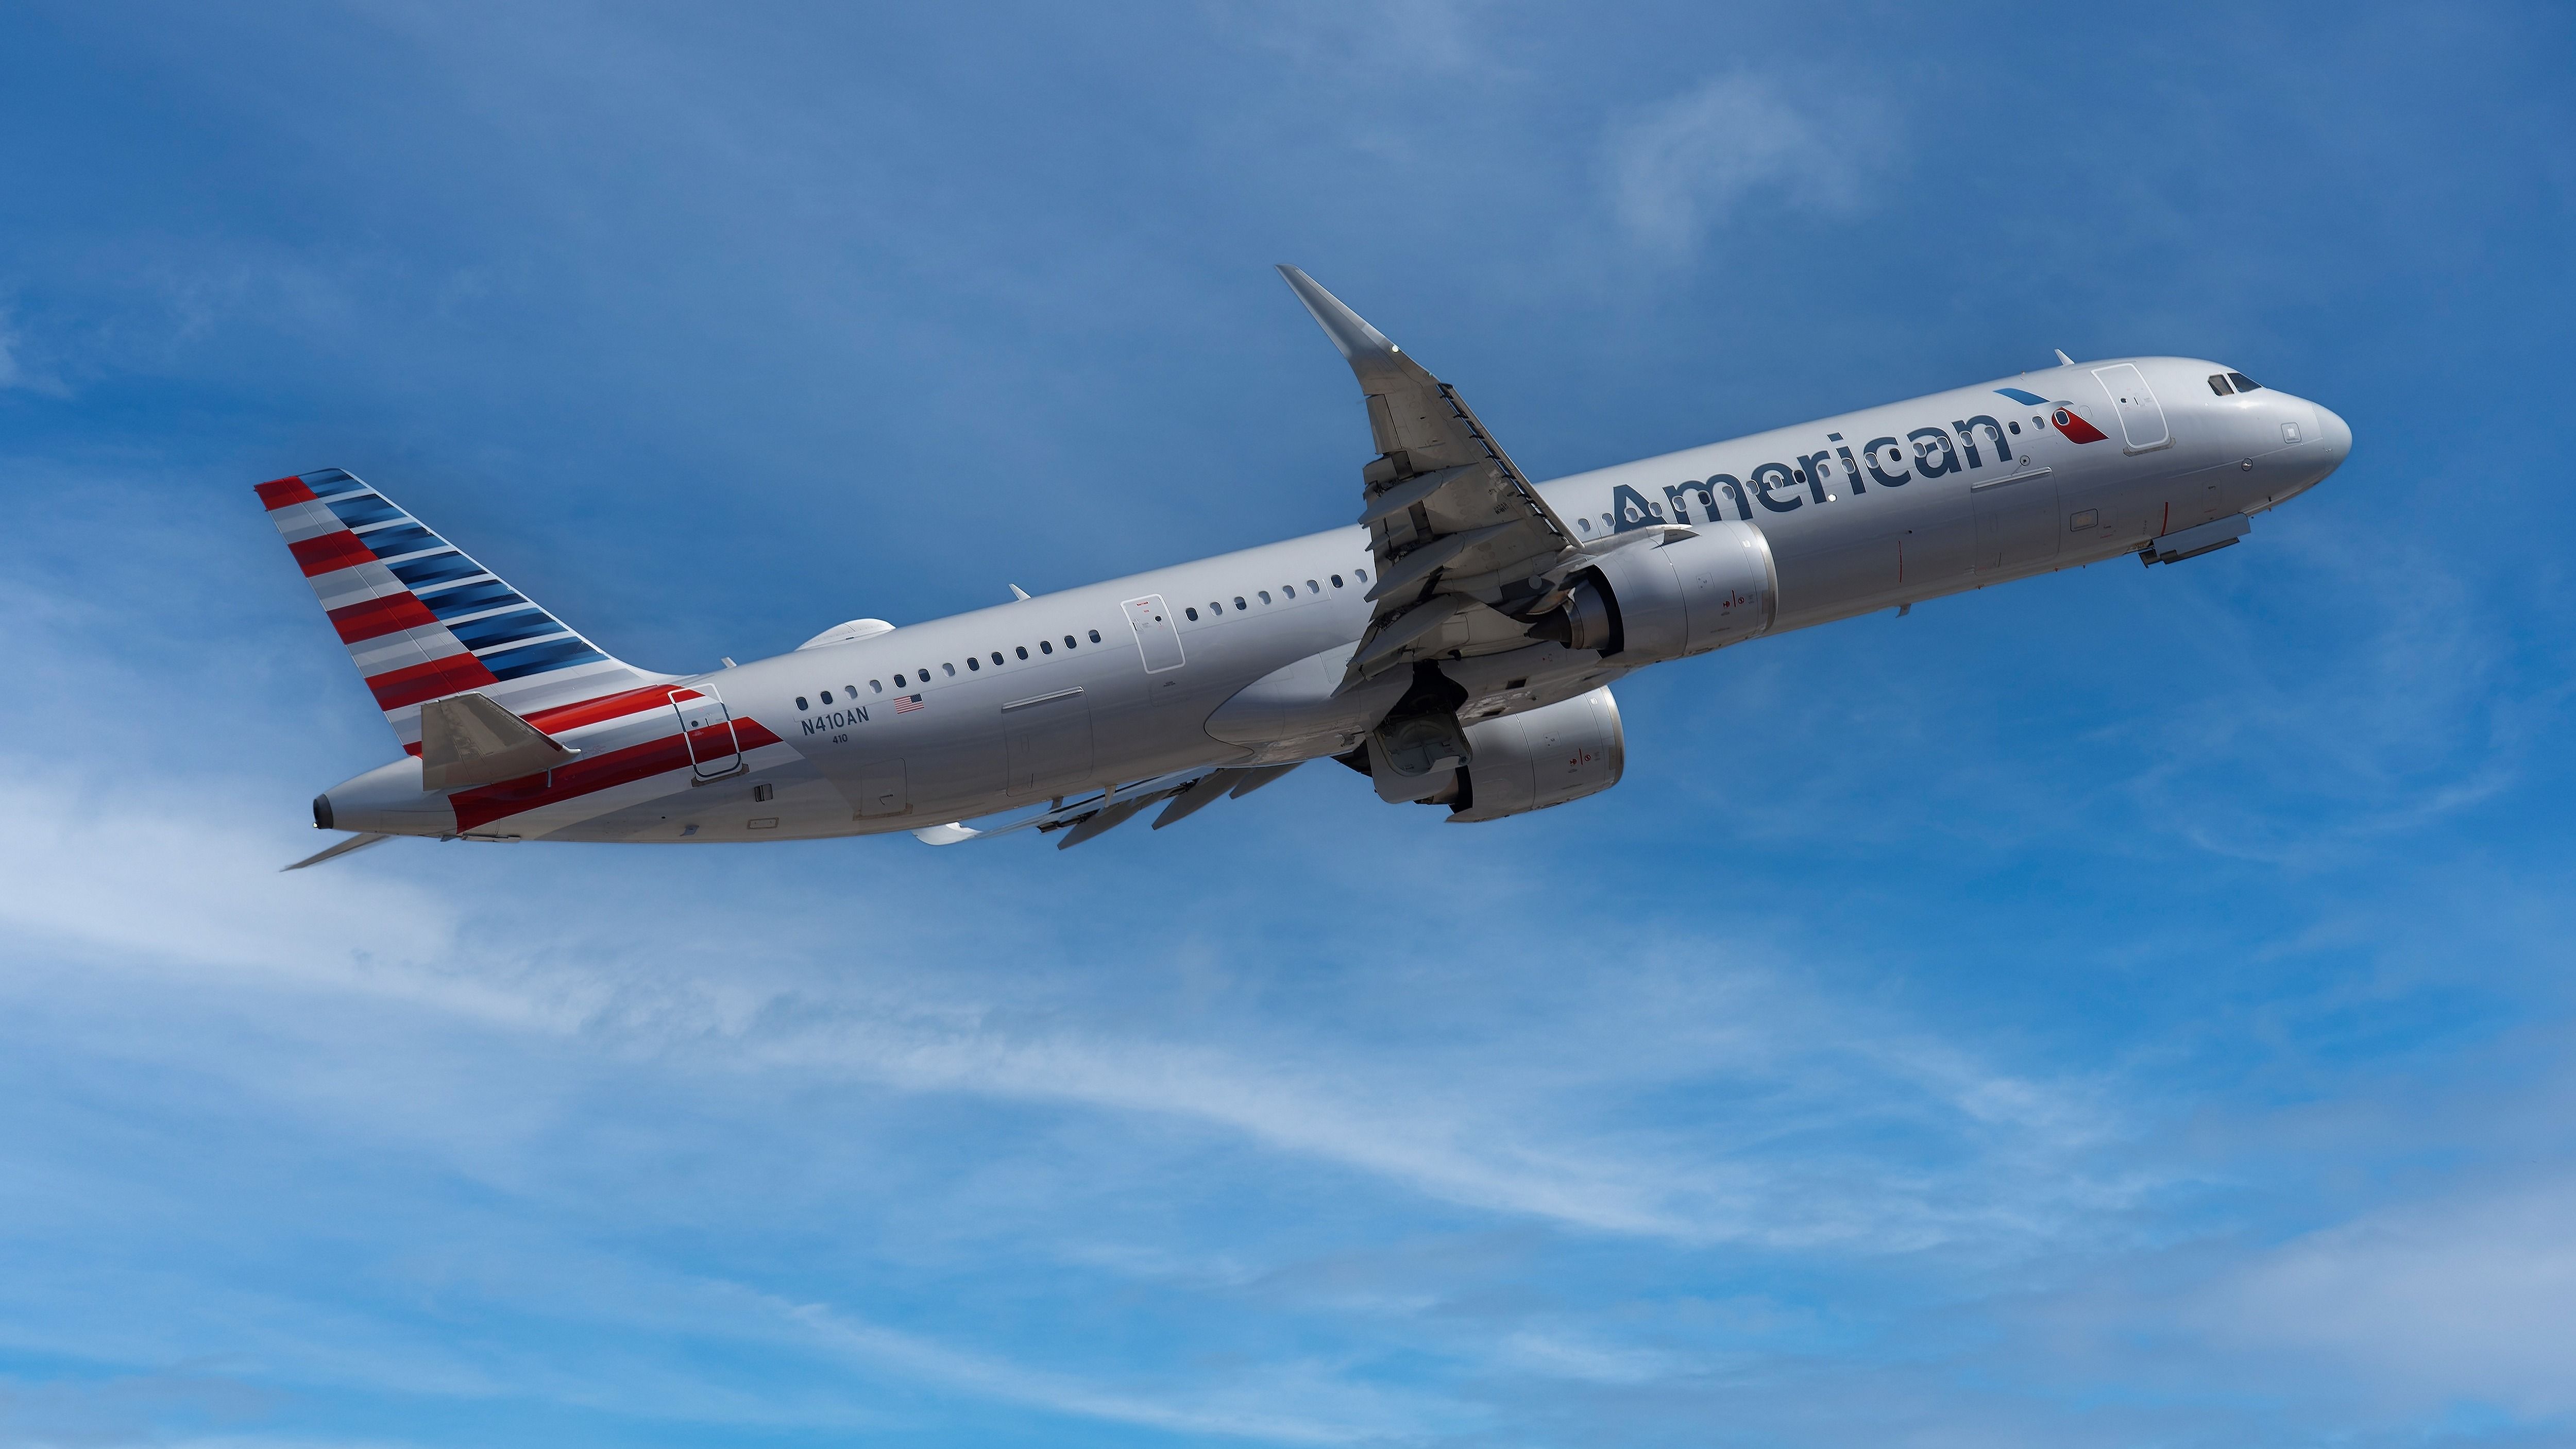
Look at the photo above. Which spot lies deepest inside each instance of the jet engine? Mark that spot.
(1540, 757)
(1645, 602)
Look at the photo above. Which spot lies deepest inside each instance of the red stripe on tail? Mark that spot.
(418, 682)
(284, 492)
(608, 706)
(330, 553)
(378, 617)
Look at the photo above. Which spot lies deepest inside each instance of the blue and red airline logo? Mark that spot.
(2067, 420)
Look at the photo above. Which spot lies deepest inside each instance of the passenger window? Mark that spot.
(2218, 384)
(2015, 425)
(801, 704)
(1585, 524)
(1289, 589)
(827, 696)
(1045, 648)
(1021, 650)
(2244, 383)
(1193, 613)
(898, 681)
(997, 659)
(1068, 642)
(1360, 574)
(1239, 603)
(1608, 522)
(1215, 608)
(1337, 581)
(922, 674)
(1265, 596)
(948, 669)
(851, 690)
(1095, 636)
(974, 663)
(875, 688)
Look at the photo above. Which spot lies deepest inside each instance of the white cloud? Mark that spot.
(1502, 1123)
(1718, 155)
(1285, 1404)
(14, 369)
(2469, 1296)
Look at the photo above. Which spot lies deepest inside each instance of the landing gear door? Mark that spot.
(706, 731)
(2142, 418)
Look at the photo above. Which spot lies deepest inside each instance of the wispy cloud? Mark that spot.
(1292, 1405)
(16, 371)
(1735, 150)
(2470, 1294)
(2096, 961)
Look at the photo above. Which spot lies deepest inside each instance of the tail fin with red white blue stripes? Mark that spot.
(422, 620)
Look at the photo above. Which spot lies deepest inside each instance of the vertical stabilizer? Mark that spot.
(422, 620)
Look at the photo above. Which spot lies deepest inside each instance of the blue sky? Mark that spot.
(2130, 1007)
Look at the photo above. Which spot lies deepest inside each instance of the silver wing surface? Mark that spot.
(1467, 551)
(1092, 816)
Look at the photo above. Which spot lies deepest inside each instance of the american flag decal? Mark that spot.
(906, 703)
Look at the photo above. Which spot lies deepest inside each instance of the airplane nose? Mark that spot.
(2338, 435)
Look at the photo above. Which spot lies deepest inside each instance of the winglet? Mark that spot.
(1019, 593)
(1367, 350)
(2062, 359)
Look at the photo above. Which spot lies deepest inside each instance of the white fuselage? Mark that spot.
(1049, 696)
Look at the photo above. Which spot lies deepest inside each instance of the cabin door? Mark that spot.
(706, 731)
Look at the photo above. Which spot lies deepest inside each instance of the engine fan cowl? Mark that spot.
(1541, 757)
(1678, 598)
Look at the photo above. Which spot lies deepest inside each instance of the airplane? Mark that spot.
(1456, 643)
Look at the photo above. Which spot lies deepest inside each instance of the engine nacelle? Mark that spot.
(1540, 757)
(1654, 601)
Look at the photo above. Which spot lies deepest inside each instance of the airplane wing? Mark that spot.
(1189, 791)
(1464, 544)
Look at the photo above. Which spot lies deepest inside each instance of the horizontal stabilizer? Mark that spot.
(350, 846)
(466, 739)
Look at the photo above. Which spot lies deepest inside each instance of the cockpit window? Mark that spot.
(2244, 383)
(2218, 384)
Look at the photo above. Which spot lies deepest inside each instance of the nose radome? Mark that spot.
(2338, 433)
